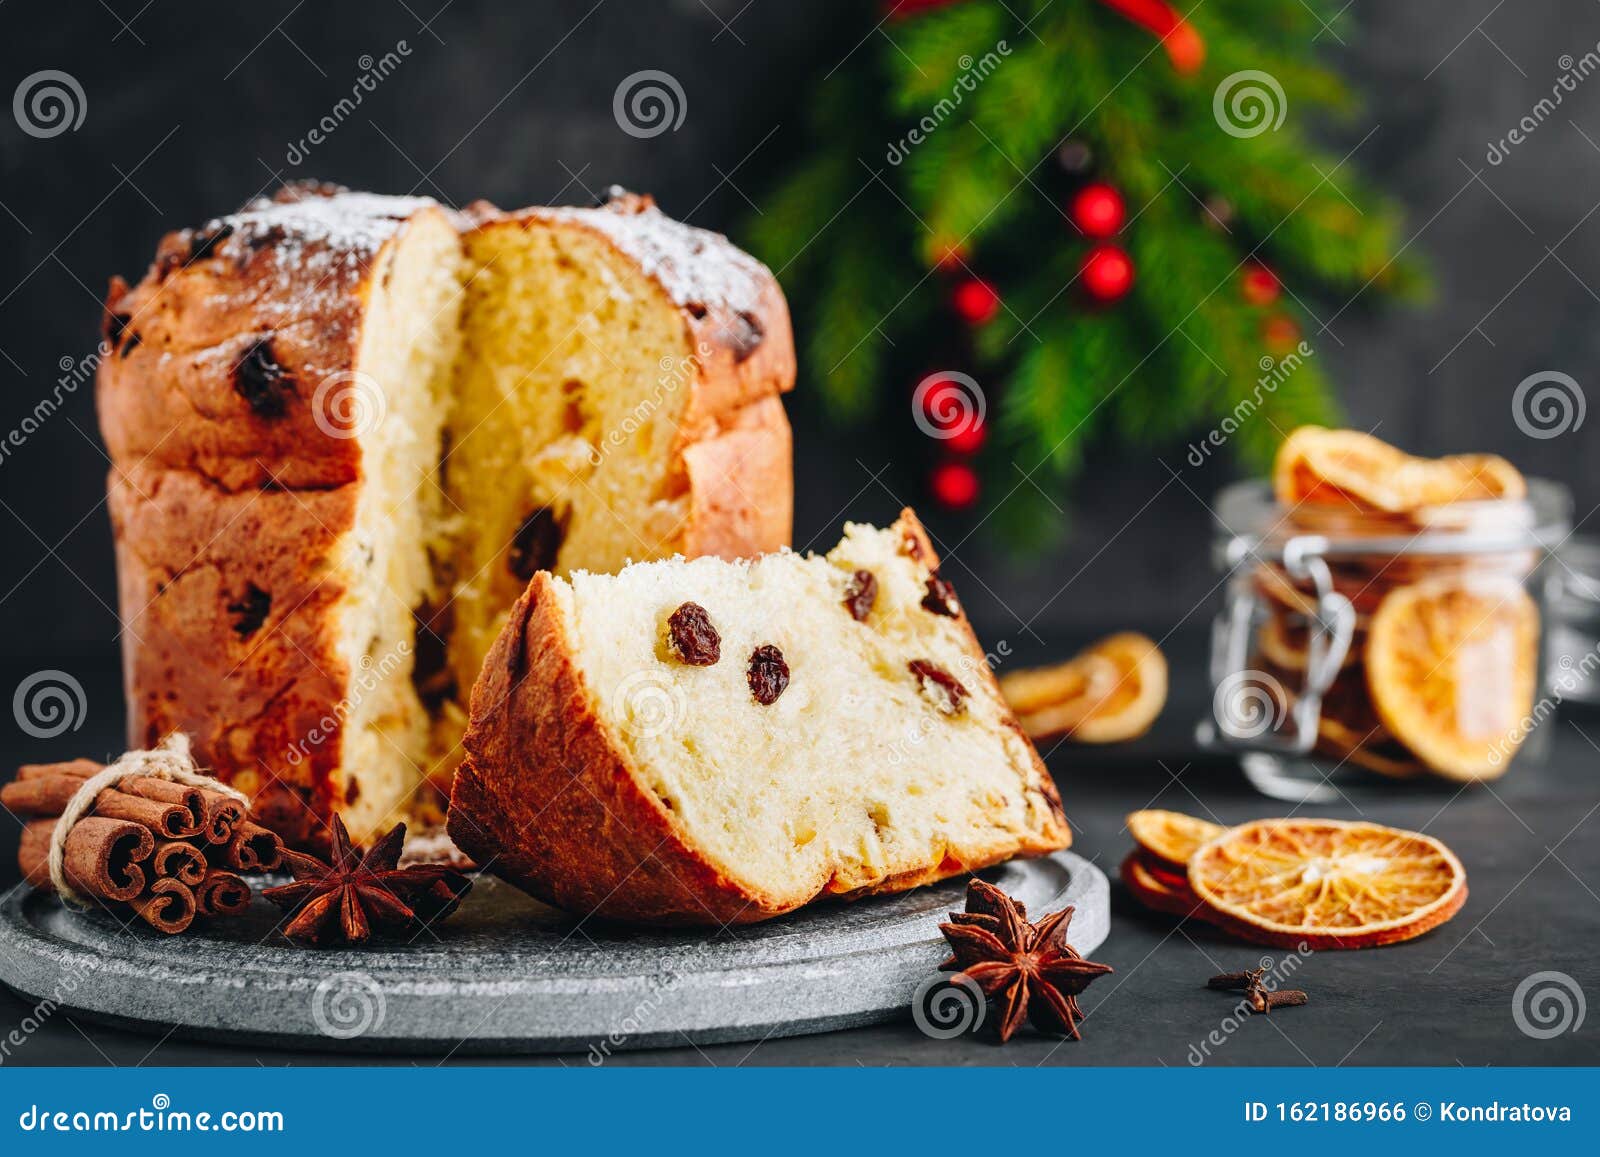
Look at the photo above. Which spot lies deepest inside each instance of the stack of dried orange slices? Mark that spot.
(1295, 882)
(1442, 672)
(1109, 692)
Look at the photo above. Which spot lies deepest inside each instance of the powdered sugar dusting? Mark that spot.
(695, 266)
(355, 222)
(320, 246)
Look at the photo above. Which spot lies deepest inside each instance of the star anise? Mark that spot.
(358, 893)
(1028, 970)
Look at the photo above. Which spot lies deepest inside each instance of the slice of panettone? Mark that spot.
(706, 742)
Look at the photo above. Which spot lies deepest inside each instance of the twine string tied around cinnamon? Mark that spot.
(170, 760)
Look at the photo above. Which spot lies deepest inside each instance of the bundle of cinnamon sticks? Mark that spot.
(172, 852)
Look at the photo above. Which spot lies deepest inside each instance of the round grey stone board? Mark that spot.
(507, 974)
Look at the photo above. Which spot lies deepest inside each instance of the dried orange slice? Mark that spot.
(1284, 641)
(1470, 478)
(1170, 837)
(1110, 692)
(1452, 667)
(1349, 470)
(1348, 520)
(1363, 590)
(1343, 467)
(1082, 680)
(1153, 889)
(1375, 750)
(1327, 883)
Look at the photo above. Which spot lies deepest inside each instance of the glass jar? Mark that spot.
(1358, 648)
(1573, 660)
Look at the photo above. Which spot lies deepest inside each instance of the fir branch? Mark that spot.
(923, 56)
(961, 142)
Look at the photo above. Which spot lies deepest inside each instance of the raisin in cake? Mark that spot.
(346, 428)
(704, 742)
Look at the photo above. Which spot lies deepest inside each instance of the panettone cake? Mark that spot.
(345, 429)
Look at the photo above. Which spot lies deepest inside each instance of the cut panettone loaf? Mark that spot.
(346, 428)
(704, 742)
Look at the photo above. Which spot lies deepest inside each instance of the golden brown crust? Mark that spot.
(172, 394)
(229, 501)
(741, 482)
(226, 601)
(548, 800)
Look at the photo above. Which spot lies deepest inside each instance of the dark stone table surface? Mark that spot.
(1531, 845)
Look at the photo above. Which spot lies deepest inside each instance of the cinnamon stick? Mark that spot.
(254, 849)
(77, 768)
(223, 814)
(39, 796)
(222, 894)
(49, 795)
(178, 860)
(191, 799)
(33, 852)
(213, 812)
(168, 820)
(104, 857)
(168, 906)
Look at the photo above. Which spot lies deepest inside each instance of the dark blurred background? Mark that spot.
(191, 108)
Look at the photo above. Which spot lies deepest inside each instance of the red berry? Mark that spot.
(1259, 285)
(954, 484)
(976, 301)
(1107, 273)
(1098, 210)
(953, 408)
(1280, 335)
(968, 439)
(948, 254)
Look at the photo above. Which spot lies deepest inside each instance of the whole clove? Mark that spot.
(1256, 994)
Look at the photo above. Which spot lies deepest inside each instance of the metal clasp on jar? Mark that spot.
(1251, 709)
